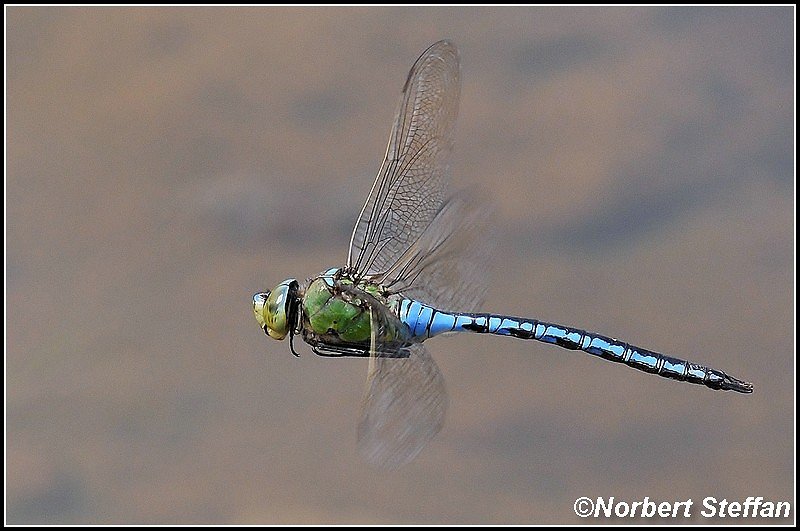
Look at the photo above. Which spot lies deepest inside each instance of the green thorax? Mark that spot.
(335, 315)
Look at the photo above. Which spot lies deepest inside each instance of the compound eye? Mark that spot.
(269, 309)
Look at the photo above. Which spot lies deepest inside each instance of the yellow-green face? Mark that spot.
(270, 310)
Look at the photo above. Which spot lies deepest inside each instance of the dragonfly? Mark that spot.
(414, 271)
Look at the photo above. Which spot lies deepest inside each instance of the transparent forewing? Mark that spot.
(405, 399)
(410, 187)
(404, 407)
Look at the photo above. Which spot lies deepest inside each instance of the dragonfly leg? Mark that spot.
(291, 344)
(331, 350)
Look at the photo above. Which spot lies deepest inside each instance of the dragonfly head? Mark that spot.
(275, 311)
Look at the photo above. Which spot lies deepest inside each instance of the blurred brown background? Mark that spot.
(166, 163)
